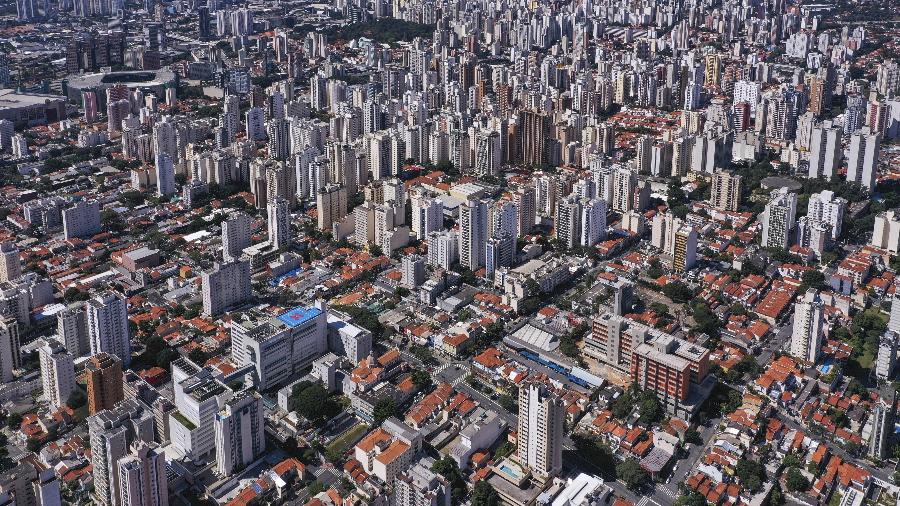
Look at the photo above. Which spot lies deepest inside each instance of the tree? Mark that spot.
(77, 399)
(484, 494)
(507, 402)
(422, 380)
(692, 437)
(812, 279)
(632, 474)
(776, 496)
(448, 468)
(751, 473)
(14, 421)
(595, 451)
(692, 498)
(795, 480)
(312, 402)
(384, 409)
(677, 291)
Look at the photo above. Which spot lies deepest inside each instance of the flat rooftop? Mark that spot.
(299, 316)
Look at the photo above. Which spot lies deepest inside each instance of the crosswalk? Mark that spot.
(319, 471)
(669, 492)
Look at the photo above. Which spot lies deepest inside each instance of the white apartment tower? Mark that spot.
(809, 331)
(9, 348)
(235, 236)
(824, 207)
(165, 175)
(540, 431)
(142, 476)
(427, 215)
(240, 433)
(862, 160)
(824, 152)
(279, 223)
(779, 218)
(57, 373)
(10, 262)
(107, 322)
(225, 286)
(472, 233)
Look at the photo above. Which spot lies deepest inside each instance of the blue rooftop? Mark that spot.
(299, 316)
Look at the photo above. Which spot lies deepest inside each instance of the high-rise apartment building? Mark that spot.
(825, 152)
(824, 207)
(107, 321)
(142, 476)
(57, 373)
(685, 252)
(886, 232)
(235, 236)
(624, 184)
(427, 214)
(71, 329)
(331, 206)
(473, 224)
(534, 126)
(726, 191)
(226, 286)
(104, 382)
(443, 249)
(779, 219)
(240, 433)
(10, 262)
(542, 417)
(809, 331)
(81, 220)
(10, 358)
(279, 223)
(112, 432)
(862, 160)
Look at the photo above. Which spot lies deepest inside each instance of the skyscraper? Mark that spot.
(685, 254)
(778, 219)
(534, 134)
(806, 339)
(107, 321)
(71, 328)
(624, 184)
(427, 215)
(104, 382)
(226, 286)
(883, 415)
(824, 207)
(240, 433)
(540, 431)
(524, 199)
(279, 223)
(57, 373)
(142, 476)
(472, 233)
(862, 160)
(82, 219)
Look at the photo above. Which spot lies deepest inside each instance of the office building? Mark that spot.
(279, 221)
(278, 348)
(10, 358)
(726, 191)
(10, 262)
(235, 236)
(107, 322)
(240, 433)
(675, 370)
(103, 373)
(331, 206)
(198, 397)
(779, 219)
(473, 224)
(81, 220)
(226, 286)
(542, 417)
(862, 160)
(142, 476)
(57, 373)
(809, 327)
(112, 432)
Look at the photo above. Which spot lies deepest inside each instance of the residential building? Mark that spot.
(886, 232)
(331, 206)
(10, 347)
(81, 220)
(10, 262)
(420, 486)
(104, 382)
(235, 236)
(107, 322)
(142, 476)
(71, 329)
(112, 432)
(226, 286)
(685, 252)
(809, 327)
(57, 373)
(779, 219)
(473, 224)
(862, 160)
(279, 223)
(240, 433)
(541, 423)
(726, 191)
